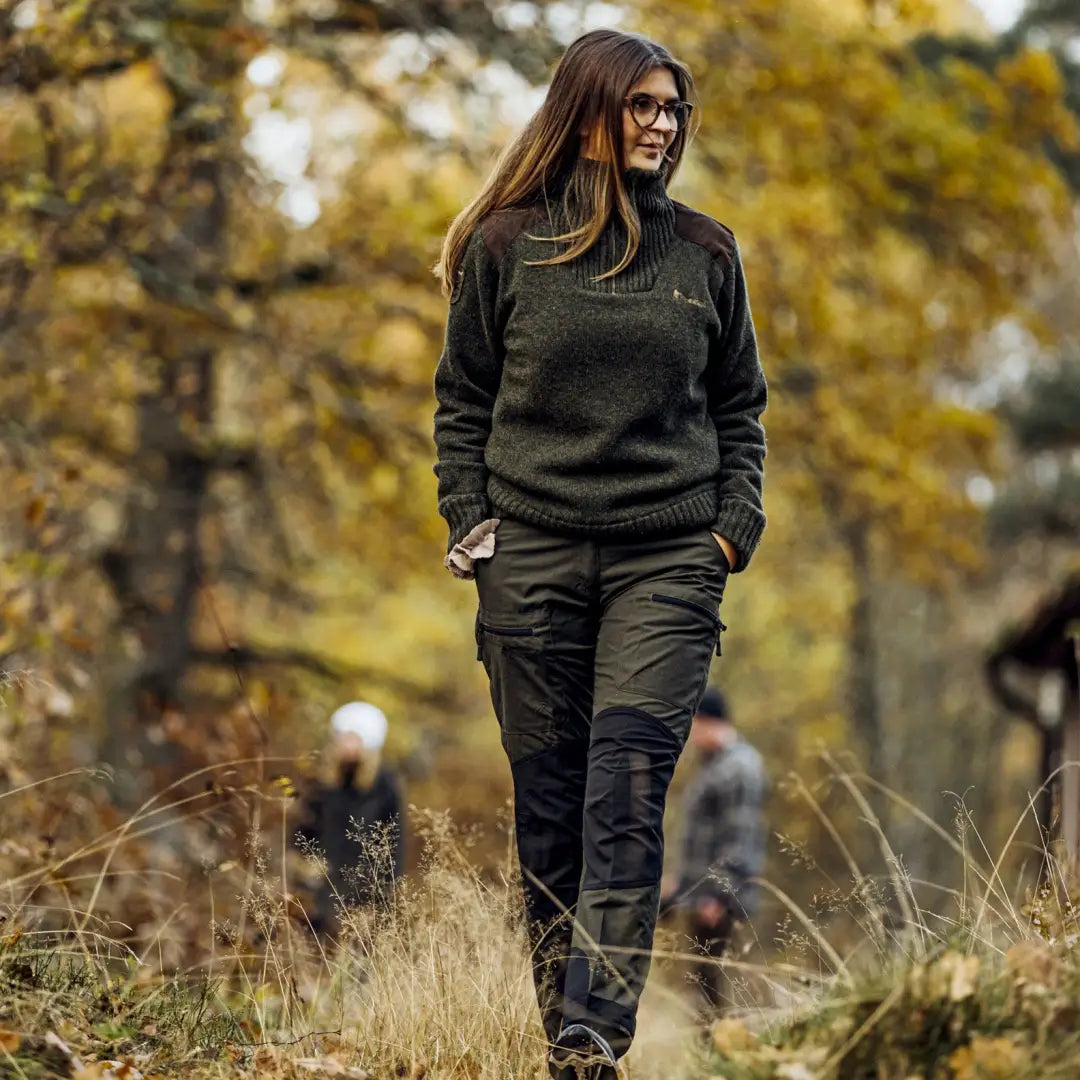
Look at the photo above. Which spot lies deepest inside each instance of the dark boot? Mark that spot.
(581, 1054)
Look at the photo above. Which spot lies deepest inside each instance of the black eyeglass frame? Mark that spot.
(665, 106)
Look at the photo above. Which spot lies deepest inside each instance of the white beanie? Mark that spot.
(361, 719)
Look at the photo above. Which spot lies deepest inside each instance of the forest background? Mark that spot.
(219, 326)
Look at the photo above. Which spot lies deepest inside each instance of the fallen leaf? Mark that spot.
(1035, 962)
(731, 1037)
(121, 1070)
(986, 1059)
(10, 1041)
(94, 1071)
(35, 511)
(331, 1067)
(108, 1070)
(960, 974)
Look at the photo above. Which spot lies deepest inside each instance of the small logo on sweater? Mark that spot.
(676, 295)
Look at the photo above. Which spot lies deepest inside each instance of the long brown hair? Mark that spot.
(588, 89)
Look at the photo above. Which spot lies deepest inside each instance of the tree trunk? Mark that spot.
(156, 566)
(864, 700)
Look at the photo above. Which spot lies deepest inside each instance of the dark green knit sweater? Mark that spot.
(616, 409)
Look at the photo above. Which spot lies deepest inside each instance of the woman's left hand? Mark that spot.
(727, 548)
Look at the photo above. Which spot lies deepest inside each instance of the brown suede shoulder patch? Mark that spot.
(701, 229)
(504, 226)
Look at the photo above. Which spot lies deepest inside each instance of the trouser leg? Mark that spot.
(549, 790)
(631, 761)
(657, 634)
(536, 631)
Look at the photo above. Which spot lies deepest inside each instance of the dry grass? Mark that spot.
(985, 986)
(175, 942)
(194, 956)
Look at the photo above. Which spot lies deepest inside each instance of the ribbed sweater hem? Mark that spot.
(741, 524)
(692, 510)
(463, 513)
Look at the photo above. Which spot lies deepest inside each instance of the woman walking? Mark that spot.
(600, 465)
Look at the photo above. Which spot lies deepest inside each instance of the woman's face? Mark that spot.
(643, 146)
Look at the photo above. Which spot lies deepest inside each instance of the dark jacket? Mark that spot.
(724, 842)
(360, 834)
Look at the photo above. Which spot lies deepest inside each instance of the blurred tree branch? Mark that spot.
(247, 657)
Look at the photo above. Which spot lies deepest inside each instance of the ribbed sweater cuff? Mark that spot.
(463, 513)
(743, 525)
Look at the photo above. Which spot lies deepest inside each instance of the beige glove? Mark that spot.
(479, 544)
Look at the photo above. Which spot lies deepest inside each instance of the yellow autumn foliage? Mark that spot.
(890, 215)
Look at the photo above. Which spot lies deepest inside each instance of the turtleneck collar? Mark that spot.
(646, 187)
(656, 212)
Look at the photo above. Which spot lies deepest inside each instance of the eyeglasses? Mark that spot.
(645, 109)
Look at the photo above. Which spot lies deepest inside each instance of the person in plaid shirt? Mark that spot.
(724, 843)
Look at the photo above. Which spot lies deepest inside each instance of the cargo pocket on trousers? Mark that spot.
(669, 652)
(718, 625)
(514, 648)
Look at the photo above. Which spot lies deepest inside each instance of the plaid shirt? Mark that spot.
(724, 841)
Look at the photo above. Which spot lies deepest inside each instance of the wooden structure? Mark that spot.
(1034, 672)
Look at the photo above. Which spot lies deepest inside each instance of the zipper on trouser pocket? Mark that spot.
(678, 601)
(499, 631)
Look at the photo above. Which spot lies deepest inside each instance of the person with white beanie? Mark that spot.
(354, 820)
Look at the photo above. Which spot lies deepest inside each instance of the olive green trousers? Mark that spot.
(597, 653)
